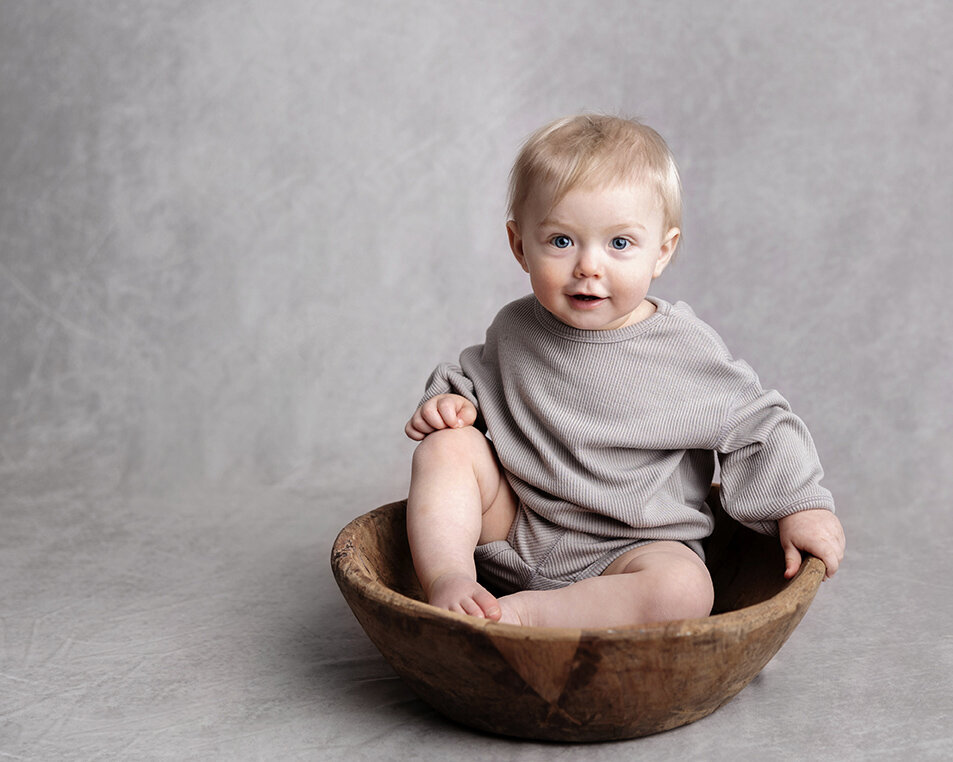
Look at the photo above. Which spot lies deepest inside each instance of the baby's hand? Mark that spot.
(817, 532)
(445, 411)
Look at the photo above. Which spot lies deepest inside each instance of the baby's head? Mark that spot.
(595, 151)
(595, 209)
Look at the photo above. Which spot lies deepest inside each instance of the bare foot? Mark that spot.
(512, 609)
(457, 592)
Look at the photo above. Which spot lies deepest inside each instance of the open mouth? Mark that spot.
(586, 298)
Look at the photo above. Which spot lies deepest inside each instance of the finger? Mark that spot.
(832, 562)
(447, 408)
(411, 432)
(430, 411)
(467, 413)
(417, 428)
(792, 561)
(418, 424)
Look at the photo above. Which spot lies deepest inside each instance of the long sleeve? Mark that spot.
(769, 465)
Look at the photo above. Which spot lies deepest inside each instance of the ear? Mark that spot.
(516, 243)
(666, 251)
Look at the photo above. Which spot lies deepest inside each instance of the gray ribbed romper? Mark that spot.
(609, 439)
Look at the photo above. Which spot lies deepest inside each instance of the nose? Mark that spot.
(589, 264)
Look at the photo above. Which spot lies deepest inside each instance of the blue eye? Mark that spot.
(561, 241)
(619, 244)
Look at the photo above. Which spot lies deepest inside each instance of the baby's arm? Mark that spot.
(445, 411)
(818, 532)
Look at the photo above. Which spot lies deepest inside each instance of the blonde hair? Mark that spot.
(595, 150)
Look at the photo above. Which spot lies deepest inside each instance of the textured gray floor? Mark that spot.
(207, 626)
(236, 237)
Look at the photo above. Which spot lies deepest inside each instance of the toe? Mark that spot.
(471, 607)
(488, 604)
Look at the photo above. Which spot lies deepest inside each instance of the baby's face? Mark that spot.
(592, 256)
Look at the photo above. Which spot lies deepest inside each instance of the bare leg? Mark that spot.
(458, 498)
(652, 583)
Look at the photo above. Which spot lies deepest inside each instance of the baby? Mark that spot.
(565, 462)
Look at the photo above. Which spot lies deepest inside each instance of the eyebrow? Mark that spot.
(556, 223)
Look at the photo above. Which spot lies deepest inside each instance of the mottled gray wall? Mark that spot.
(235, 237)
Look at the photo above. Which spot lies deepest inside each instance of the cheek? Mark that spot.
(539, 284)
(636, 285)
(545, 275)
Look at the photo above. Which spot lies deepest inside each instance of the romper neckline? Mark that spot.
(612, 336)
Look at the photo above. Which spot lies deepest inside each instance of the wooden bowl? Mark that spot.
(574, 684)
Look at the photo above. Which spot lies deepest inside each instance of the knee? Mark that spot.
(453, 446)
(688, 589)
(681, 587)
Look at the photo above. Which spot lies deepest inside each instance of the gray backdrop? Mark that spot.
(236, 237)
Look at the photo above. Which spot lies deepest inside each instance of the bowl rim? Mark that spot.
(798, 591)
